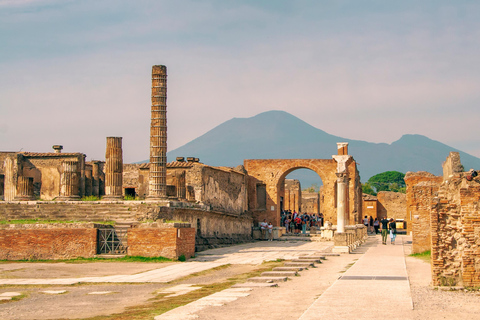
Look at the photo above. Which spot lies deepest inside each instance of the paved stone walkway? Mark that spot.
(375, 287)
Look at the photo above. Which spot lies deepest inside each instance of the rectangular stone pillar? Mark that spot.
(24, 189)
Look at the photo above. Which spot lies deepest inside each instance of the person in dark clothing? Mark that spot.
(376, 225)
(384, 223)
(393, 230)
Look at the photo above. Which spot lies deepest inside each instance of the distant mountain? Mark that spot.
(280, 135)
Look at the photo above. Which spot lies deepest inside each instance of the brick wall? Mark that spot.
(212, 228)
(166, 242)
(421, 188)
(47, 242)
(455, 226)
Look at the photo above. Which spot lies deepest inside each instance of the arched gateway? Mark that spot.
(267, 176)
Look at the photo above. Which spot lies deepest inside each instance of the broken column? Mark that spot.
(24, 189)
(341, 239)
(69, 180)
(11, 166)
(157, 189)
(113, 169)
(95, 178)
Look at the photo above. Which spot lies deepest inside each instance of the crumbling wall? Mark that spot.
(221, 189)
(310, 202)
(392, 205)
(421, 188)
(455, 226)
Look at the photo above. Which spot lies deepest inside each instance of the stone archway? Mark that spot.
(270, 174)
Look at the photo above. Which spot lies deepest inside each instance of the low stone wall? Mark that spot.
(455, 228)
(48, 241)
(347, 241)
(170, 240)
(212, 228)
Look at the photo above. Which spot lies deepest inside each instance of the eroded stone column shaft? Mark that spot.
(95, 179)
(24, 189)
(158, 134)
(341, 201)
(114, 168)
(11, 175)
(69, 180)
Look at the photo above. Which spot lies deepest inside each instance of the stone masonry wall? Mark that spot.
(421, 188)
(59, 241)
(212, 228)
(392, 205)
(455, 226)
(152, 241)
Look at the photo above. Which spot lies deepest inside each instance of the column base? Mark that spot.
(341, 249)
(69, 198)
(24, 198)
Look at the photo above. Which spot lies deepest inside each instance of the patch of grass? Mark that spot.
(87, 260)
(129, 198)
(90, 198)
(201, 273)
(182, 258)
(425, 256)
(17, 298)
(161, 304)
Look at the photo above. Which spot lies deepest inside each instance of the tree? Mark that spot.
(388, 181)
(367, 188)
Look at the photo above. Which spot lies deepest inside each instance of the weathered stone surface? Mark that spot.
(392, 205)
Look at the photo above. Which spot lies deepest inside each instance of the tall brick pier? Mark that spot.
(157, 189)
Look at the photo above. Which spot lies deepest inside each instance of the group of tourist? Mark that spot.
(300, 222)
(389, 227)
(267, 230)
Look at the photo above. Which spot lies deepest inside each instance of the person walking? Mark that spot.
(370, 223)
(393, 230)
(384, 223)
(376, 225)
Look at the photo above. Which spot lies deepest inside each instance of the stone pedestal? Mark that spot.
(158, 135)
(113, 169)
(24, 189)
(69, 181)
(341, 243)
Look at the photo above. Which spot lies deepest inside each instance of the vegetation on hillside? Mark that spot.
(386, 181)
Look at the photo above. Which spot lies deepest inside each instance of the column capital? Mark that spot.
(342, 162)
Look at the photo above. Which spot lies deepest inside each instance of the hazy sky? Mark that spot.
(75, 72)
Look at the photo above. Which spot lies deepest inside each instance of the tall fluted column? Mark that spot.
(113, 169)
(11, 176)
(180, 185)
(24, 189)
(69, 180)
(157, 186)
(95, 178)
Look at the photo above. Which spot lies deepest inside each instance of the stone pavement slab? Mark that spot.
(372, 288)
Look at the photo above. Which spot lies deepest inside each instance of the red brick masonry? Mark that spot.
(166, 242)
(51, 243)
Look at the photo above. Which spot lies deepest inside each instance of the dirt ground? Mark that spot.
(288, 301)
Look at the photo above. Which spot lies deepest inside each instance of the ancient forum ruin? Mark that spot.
(222, 205)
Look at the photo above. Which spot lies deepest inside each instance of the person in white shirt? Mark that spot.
(263, 228)
(270, 231)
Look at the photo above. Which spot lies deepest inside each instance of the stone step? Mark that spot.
(307, 260)
(288, 269)
(254, 285)
(330, 254)
(268, 279)
(312, 257)
(279, 274)
(298, 264)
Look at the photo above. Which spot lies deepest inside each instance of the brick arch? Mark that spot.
(271, 172)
